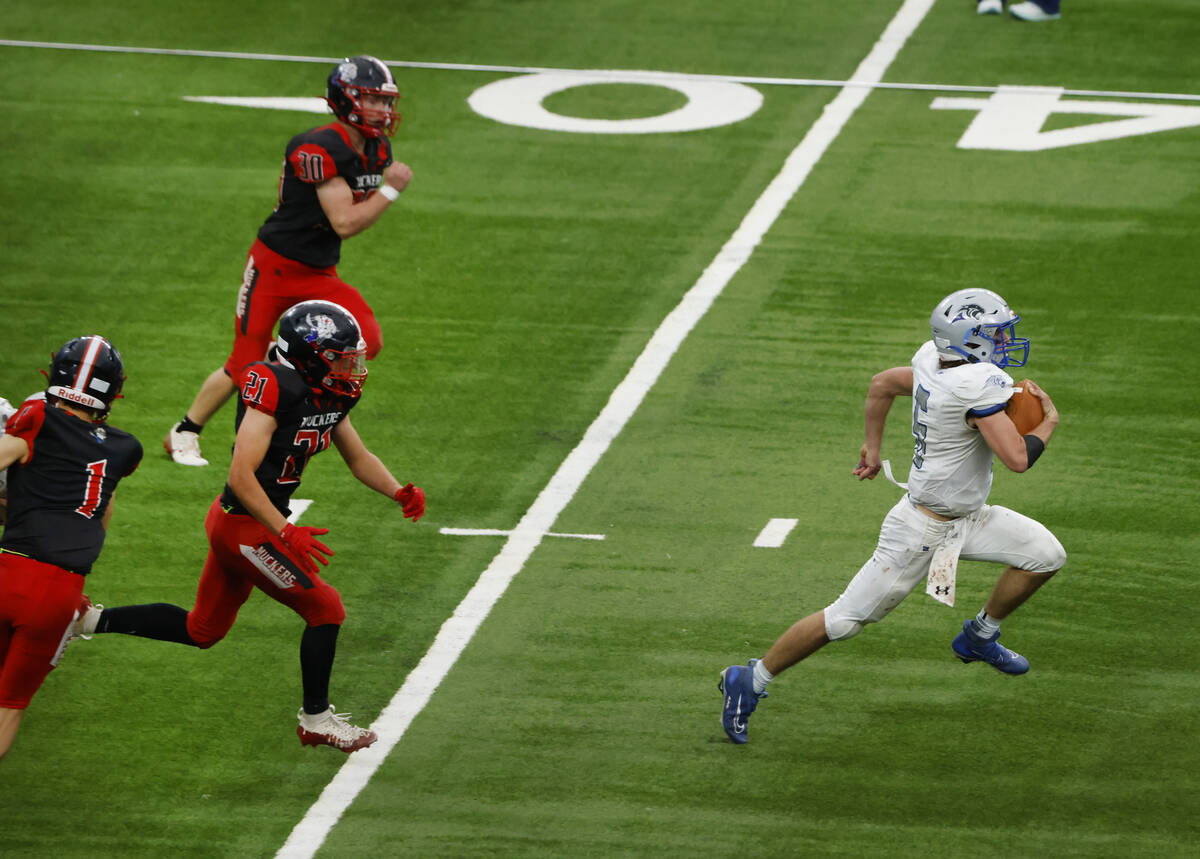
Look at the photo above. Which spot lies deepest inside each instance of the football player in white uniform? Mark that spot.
(959, 387)
(6, 412)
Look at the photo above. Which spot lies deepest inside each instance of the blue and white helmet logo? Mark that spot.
(320, 328)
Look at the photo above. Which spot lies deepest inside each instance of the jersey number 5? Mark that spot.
(920, 430)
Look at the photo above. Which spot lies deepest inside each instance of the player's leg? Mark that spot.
(900, 561)
(10, 721)
(214, 392)
(41, 601)
(268, 564)
(228, 577)
(350, 298)
(1012, 589)
(321, 607)
(258, 307)
(1032, 555)
(10, 717)
(183, 439)
(804, 638)
(220, 593)
(160, 621)
(219, 596)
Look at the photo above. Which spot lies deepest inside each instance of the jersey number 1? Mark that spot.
(91, 494)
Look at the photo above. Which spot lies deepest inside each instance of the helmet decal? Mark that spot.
(322, 342)
(346, 91)
(978, 326)
(321, 327)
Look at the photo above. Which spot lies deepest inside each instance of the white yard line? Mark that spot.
(457, 631)
(856, 81)
(774, 533)
(501, 532)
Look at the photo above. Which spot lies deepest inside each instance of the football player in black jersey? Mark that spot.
(288, 412)
(337, 180)
(64, 462)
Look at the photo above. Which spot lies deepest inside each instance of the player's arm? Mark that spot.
(1013, 449)
(363, 464)
(884, 388)
(13, 449)
(249, 449)
(371, 471)
(349, 218)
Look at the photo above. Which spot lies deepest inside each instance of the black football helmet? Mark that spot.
(87, 372)
(322, 342)
(355, 77)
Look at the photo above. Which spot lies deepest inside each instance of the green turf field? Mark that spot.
(517, 281)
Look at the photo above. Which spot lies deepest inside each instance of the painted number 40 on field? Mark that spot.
(1013, 117)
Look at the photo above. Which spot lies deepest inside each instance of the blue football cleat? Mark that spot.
(737, 685)
(969, 646)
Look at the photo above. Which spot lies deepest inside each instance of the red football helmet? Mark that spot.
(350, 82)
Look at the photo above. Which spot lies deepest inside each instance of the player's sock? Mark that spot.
(317, 647)
(188, 425)
(986, 625)
(761, 677)
(161, 621)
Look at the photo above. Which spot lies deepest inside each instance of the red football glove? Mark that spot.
(302, 542)
(412, 499)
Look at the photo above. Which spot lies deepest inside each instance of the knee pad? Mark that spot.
(1049, 554)
(839, 627)
(323, 606)
(203, 638)
(205, 643)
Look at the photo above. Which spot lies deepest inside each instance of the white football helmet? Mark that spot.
(977, 325)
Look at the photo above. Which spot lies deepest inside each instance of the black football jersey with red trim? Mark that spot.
(58, 497)
(305, 423)
(298, 228)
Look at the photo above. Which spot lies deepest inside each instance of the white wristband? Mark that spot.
(389, 192)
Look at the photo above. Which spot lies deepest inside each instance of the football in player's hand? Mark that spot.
(1024, 408)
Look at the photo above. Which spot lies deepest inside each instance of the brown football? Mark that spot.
(1024, 408)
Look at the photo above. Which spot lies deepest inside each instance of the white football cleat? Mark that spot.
(85, 623)
(332, 729)
(1030, 11)
(184, 447)
(989, 7)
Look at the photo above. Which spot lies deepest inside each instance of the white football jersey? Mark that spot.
(952, 463)
(6, 411)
